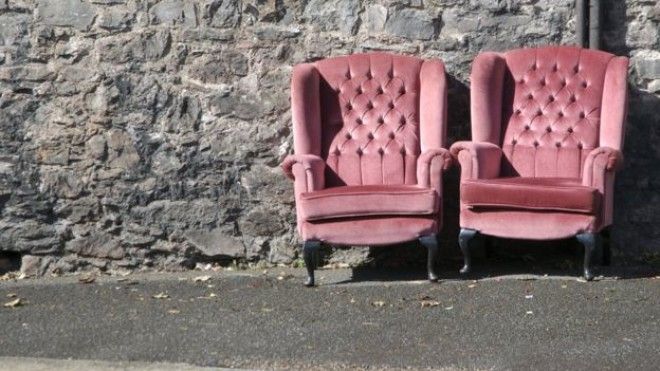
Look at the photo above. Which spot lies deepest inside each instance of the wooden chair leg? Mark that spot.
(464, 237)
(590, 243)
(431, 243)
(311, 256)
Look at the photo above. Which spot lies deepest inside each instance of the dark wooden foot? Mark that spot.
(589, 241)
(605, 241)
(431, 243)
(311, 256)
(464, 238)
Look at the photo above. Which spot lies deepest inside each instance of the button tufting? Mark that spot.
(572, 98)
(359, 90)
(518, 112)
(557, 144)
(584, 84)
(403, 120)
(359, 151)
(337, 152)
(543, 82)
(348, 136)
(370, 136)
(379, 90)
(548, 129)
(582, 115)
(391, 135)
(576, 69)
(526, 127)
(348, 75)
(534, 67)
(521, 81)
(403, 151)
(359, 121)
(514, 142)
(349, 106)
(539, 113)
(390, 74)
(551, 98)
(391, 105)
(530, 96)
(536, 143)
(381, 120)
(402, 90)
(370, 105)
(554, 68)
(560, 114)
(381, 151)
(579, 145)
(570, 130)
(369, 76)
(563, 82)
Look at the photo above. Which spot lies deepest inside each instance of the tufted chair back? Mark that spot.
(371, 131)
(552, 110)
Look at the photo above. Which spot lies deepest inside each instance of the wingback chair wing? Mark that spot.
(547, 135)
(369, 131)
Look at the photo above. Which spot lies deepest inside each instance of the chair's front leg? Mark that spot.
(464, 237)
(590, 243)
(431, 243)
(311, 255)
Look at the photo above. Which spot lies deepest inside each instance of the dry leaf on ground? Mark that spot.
(11, 295)
(87, 279)
(13, 304)
(161, 295)
(173, 311)
(429, 303)
(201, 278)
(378, 303)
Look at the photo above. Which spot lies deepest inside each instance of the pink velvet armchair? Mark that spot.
(547, 135)
(369, 131)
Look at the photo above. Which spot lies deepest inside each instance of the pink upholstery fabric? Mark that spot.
(557, 194)
(479, 160)
(370, 231)
(369, 200)
(557, 107)
(374, 120)
(525, 224)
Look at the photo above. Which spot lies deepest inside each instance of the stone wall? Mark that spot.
(146, 133)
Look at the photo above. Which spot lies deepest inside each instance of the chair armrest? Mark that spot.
(599, 162)
(430, 165)
(478, 160)
(307, 172)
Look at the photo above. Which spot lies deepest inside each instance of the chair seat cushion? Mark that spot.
(368, 200)
(558, 194)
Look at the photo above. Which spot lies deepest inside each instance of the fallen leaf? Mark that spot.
(429, 303)
(564, 286)
(284, 276)
(87, 279)
(449, 308)
(173, 311)
(529, 312)
(201, 278)
(472, 286)
(529, 296)
(161, 295)
(352, 301)
(378, 303)
(13, 304)
(11, 295)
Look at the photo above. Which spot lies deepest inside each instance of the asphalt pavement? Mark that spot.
(354, 319)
